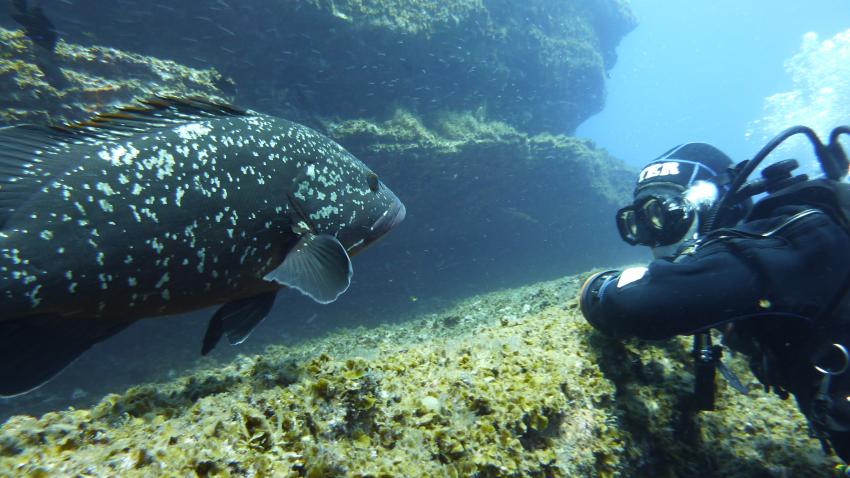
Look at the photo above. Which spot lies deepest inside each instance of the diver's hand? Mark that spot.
(597, 287)
(591, 293)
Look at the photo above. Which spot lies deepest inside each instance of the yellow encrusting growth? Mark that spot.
(509, 384)
(89, 79)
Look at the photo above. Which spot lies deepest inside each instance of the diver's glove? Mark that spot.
(591, 295)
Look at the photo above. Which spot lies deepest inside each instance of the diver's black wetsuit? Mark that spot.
(773, 277)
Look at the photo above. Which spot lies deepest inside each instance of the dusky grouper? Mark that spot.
(170, 207)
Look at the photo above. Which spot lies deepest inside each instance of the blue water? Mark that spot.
(694, 70)
(699, 71)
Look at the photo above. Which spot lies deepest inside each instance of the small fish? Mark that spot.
(35, 23)
(165, 208)
(517, 214)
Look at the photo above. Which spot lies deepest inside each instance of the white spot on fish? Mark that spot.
(163, 162)
(32, 295)
(119, 155)
(149, 213)
(201, 255)
(135, 213)
(162, 281)
(192, 131)
(156, 245)
(104, 280)
(105, 205)
(105, 188)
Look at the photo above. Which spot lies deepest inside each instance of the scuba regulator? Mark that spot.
(776, 177)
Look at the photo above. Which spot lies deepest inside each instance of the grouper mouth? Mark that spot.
(388, 220)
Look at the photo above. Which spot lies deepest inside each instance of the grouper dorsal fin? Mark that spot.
(31, 154)
(318, 266)
(149, 115)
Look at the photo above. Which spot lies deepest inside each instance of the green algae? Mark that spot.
(93, 79)
(537, 65)
(404, 16)
(466, 139)
(512, 383)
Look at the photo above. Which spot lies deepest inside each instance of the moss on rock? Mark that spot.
(538, 65)
(75, 81)
(494, 150)
(507, 384)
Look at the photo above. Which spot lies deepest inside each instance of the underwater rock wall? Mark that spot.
(73, 82)
(537, 64)
(509, 384)
(486, 204)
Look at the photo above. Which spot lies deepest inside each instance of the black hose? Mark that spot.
(731, 193)
(835, 163)
(833, 137)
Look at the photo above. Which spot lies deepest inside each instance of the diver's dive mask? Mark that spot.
(655, 220)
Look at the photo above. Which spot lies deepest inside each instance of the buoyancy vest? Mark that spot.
(825, 403)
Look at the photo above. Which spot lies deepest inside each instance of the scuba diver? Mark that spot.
(773, 276)
(671, 193)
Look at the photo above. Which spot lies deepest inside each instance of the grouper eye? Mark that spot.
(372, 179)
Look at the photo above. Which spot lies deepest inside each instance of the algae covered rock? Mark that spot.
(508, 384)
(537, 64)
(487, 200)
(74, 82)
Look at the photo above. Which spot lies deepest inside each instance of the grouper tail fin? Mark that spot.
(34, 349)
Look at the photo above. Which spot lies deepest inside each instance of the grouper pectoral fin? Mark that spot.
(34, 349)
(318, 266)
(237, 320)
